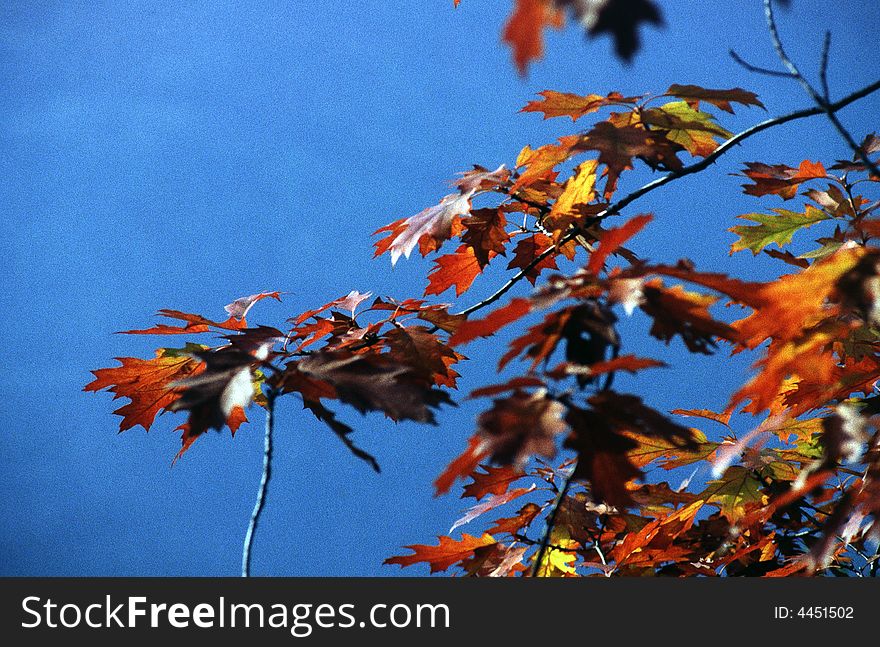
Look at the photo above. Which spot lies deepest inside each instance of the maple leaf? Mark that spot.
(693, 130)
(458, 269)
(564, 104)
(423, 352)
(372, 382)
(495, 560)
(195, 324)
(520, 426)
(492, 480)
(771, 229)
(735, 493)
(447, 552)
(619, 18)
(559, 558)
(524, 30)
(612, 240)
(485, 234)
(719, 98)
(527, 250)
(497, 319)
(588, 332)
(618, 145)
(147, 383)
(226, 384)
(793, 302)
(676, 311)
(628, 363)
(463, 465)
(481, 179)
(512, 525)
(433, 225)
(600, 436)
(239, 308)
(578, 190)
(341, 430)
(780, 179)
(491, 503)
(540, 162)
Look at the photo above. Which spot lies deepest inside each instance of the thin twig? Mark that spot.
(271, 394)
(823, 67)
(820, 101)
(758, 70)
(544, 542)
(704, 163)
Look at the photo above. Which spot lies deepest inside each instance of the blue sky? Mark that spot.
(184, 154)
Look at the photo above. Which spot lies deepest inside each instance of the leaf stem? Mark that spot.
(271, 394)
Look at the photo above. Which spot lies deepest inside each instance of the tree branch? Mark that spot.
(271, 394)
(819, 100)
(701, 165)
(544, 542)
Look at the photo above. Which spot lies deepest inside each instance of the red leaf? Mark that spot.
(612, 240)
(527, 250)
(497, 319)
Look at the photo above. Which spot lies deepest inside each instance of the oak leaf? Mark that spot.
(447, 552)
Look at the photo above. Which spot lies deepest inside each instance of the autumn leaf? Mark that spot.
(485, 234)
(771, 229)
(539, 163)
(612, 240)
(522, 519)
(719, 98)
(489, 325)
(371, 382)
(679, 312)
(524, 30)
(619, 18)
(434, 225)
(226, 384)
(147, 383)
(692, 129)
(564, 104)
(446, 553)
(780, 179)
(454, 270)
(491, 503)
(492, 480)
(527, 250)
(601, 437)
(735, 493)
(521, 426)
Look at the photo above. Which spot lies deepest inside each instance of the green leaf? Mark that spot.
(694, 130)
(771, 229)
(733, 492)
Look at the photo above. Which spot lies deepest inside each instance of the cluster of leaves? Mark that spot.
(798, 494)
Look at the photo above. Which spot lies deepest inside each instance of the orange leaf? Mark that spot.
(612, 240)
(564, 104)
(524, 30)
(446, 553)
(458, 269)
(147, 383)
